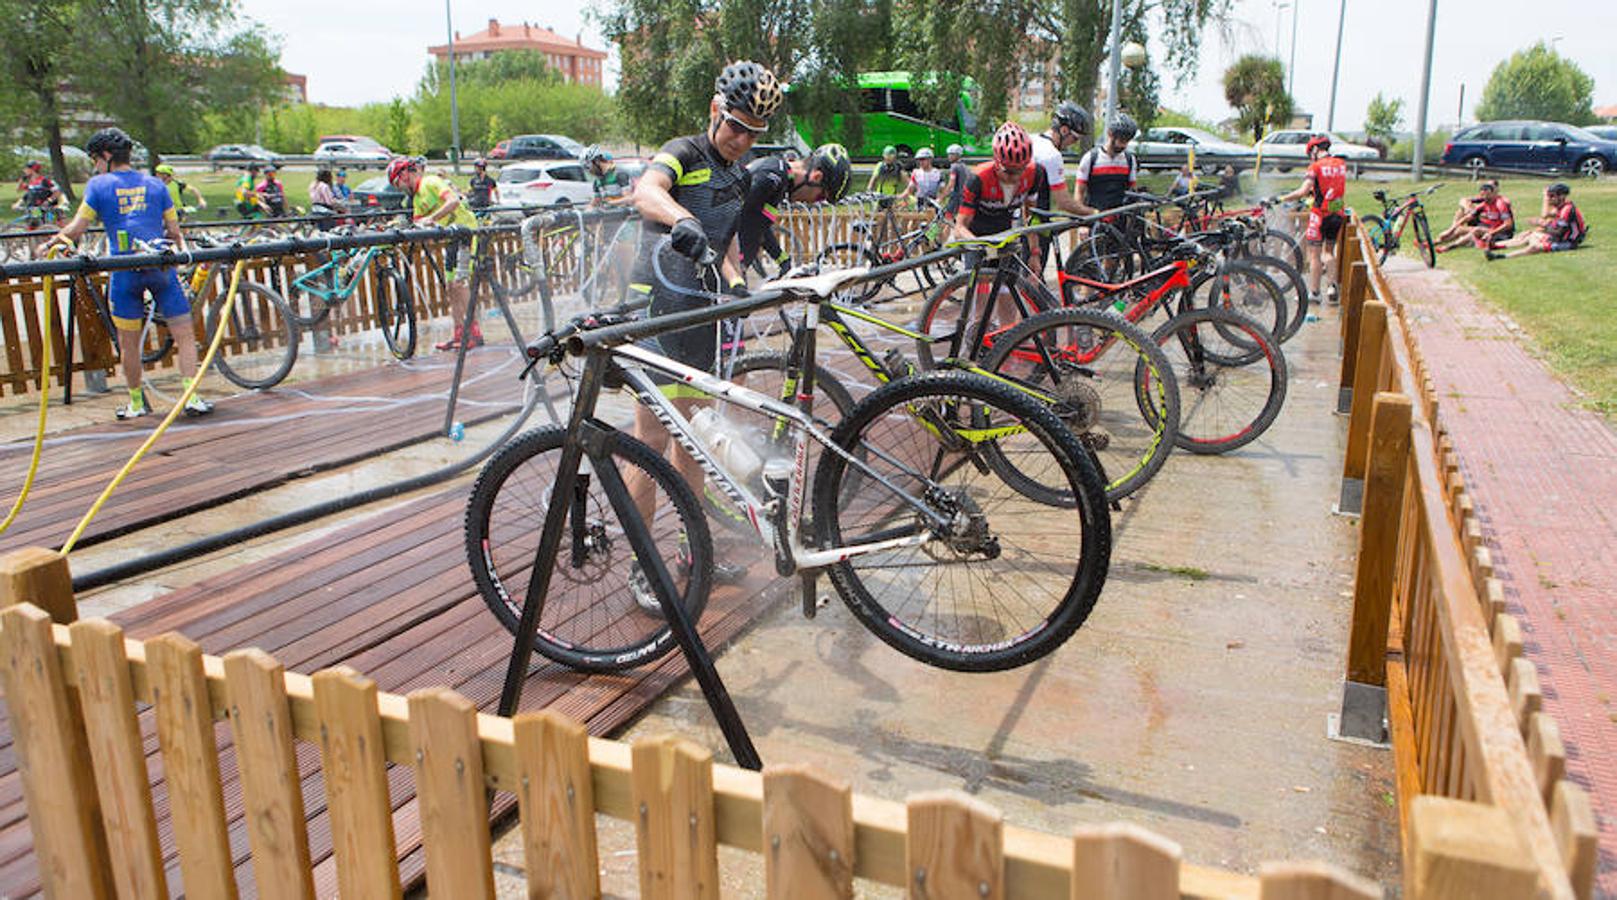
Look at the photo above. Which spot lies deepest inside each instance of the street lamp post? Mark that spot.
(1115, 61)
(1425, 90)
(1291, 67)
(1279, 8)
(454, 106)
(1336, 68)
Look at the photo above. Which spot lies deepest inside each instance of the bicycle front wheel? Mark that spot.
(1083, 363)
(972, 575)
(395, 313)
(261, 341)
(1423, 240)
(1231, 375)
(590, 619)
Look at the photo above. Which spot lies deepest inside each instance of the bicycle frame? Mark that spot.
(337, 292)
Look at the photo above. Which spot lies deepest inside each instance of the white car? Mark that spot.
(545, 183)
(1293, 144)
(1170, 147)
(336, 153)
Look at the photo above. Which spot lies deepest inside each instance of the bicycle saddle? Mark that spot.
(824, 284)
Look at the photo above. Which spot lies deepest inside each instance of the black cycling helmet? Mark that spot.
(834, 166)
(1559, 188)
(750, 88)
(110, 140)
(1073, 116)
(1123, 126)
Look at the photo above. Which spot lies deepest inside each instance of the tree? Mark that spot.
(1382, 118)
(158, 66)
(1256, 86)
(32, 47)
(1538, 83)
(398, 125)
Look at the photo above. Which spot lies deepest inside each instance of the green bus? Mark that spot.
(891, 117)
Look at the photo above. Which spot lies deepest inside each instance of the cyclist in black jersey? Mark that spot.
(773, 180)
(692, 194)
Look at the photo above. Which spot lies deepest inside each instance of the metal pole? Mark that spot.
(1459, 113)
(454, 106)
(1419, 166)
(1291, 66)
(1115, 61)
(1336, 68)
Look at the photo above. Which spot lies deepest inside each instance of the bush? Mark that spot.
(1404, 151)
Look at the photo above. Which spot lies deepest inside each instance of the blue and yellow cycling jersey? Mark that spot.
(132, 205)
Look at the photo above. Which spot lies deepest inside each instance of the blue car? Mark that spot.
(1541, 146)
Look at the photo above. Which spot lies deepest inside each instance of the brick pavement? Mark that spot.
(1543, 472)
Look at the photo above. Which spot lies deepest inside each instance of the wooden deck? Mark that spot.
(392, 597)
(203, 463)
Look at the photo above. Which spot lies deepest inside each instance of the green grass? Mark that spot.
(1563, 300)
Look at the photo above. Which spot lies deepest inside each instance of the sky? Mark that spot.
(364, 51)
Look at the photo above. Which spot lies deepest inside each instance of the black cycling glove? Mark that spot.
(688, 239)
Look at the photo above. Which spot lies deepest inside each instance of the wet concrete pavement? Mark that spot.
(1192, 702)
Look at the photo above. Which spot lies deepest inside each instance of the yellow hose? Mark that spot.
(202, 368)
(44, 395)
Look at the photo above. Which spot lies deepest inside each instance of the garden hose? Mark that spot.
(185, 397)
(44, 395)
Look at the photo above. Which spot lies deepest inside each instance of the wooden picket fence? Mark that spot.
(78, 691)
(22, 301)
(1429, 621)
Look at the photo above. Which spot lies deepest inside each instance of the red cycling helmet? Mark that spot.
(398, 166)
(1318, 140)
(1012, 147)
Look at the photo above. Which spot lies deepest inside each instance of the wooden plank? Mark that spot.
(449, 788)
(1313, 881)
(1406, 767)
(117, 752)
(557, 806)
(954, 848)
(1466, 850)
(41, 577)
(1124, 862)
(354, 763)
(185, 731)
(52, 757)
(1547, 753)
(1372, 335)
(674, 821)
(1577, 835)
(271, 788)
(808, 826)
(1374, 576)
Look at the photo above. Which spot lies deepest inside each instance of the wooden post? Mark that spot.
(57, 782)
(41, 577)
(1378, 538)
(1507, 641)
(449, 788)
(1372, 336)
(556, 800)
(1547, 754)
(191, 765)
(1353, 301)
(1313, 881)
(808, 835)
(954, 848)
(1123, 862)
(119, 755)
(1525, 697)
(1573, 821)
(1465, 850)
(354, 763)
(674, 826)
(272, 791)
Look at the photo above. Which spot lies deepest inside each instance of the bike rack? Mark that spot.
(585, 436)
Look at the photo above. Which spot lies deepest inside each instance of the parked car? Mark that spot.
(376, 193)
(633, 167)
(356, 155)
(501, 150)
(369, 143)
(1541, 146)
(542, 146)
(1604, 132)
(1293, 144)
(1169, 147)
(545, 183)
(239, 155)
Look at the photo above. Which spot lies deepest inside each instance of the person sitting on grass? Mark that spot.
(1560, 228)
(1494, 221)
(1465, 217)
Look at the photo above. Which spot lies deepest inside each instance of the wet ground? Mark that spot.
(1193, 701)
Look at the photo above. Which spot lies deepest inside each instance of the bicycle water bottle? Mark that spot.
(728, 443)
(457, 432)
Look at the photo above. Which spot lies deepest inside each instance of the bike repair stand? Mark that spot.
(587, 436)
(481, 263)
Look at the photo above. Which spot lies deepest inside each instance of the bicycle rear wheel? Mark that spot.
(395, 313)
(1244, 288)
(261, 341)
(1086, 361)
(1004, 581)
(1230, 390)
(1292, 287)
(1423, 240)
(590, 619)
(299, 298)
(848, 256)
(940, 316)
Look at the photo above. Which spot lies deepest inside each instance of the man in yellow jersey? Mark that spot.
(438, 205)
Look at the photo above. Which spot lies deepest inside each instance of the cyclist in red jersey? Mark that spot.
(1326, 186)
(1494, 221)
(1002, 190)
(1562, 227)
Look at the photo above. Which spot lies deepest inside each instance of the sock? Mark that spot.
(137, 398)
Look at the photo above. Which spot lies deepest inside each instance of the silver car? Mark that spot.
(334, 153)
(1169, 147)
